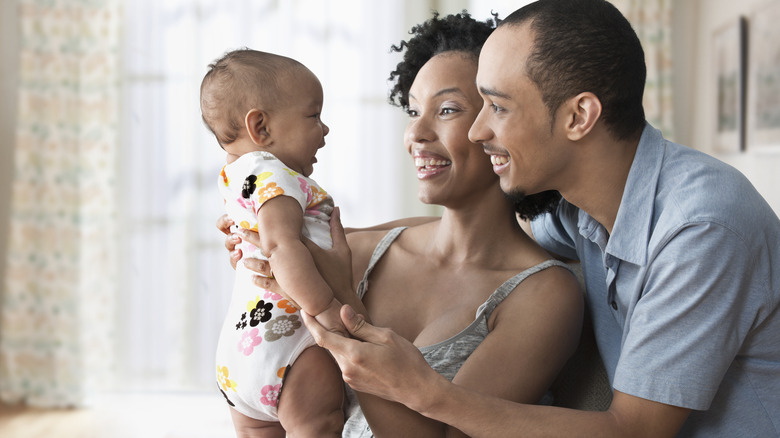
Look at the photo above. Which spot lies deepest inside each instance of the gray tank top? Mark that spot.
(448, 356)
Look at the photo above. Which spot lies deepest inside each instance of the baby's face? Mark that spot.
(296, 129)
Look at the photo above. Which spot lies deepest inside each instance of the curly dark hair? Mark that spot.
(461, 33)
(456, 32)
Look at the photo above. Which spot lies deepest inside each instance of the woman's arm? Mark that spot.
(405, 222)
(384, 364)
(532, 334)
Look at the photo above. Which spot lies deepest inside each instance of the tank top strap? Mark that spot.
(503, 291)
(379, 251)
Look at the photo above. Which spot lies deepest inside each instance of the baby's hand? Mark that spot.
(331, 320)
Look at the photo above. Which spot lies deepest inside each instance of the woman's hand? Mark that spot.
(335, 264)
(378, 362)
(231, 240)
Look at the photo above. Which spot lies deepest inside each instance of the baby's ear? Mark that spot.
(256, 122)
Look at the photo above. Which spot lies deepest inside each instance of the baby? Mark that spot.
(264, 110)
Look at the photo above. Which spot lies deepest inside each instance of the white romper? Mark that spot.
(263, 333)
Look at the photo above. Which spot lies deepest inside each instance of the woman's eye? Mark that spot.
(495, 108)
(411, 113)
(446, 110)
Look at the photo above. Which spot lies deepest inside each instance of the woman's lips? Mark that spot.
(429, 166)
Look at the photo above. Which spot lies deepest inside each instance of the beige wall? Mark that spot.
(695, 23)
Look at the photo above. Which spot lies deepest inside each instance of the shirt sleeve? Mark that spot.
(273, 181)
(697, 306)
(556, 231)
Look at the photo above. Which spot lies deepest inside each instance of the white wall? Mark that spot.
(695, 23)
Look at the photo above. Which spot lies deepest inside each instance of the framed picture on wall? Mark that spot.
(730, 58)
(764, 78)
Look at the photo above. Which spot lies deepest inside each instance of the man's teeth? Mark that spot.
(425, 162)
(498, 160)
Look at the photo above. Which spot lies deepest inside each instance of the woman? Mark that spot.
(427, 282)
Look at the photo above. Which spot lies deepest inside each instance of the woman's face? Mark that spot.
(443, 103)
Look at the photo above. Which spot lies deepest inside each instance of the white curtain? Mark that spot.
(57, 319)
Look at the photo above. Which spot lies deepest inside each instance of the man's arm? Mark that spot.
(388, 366)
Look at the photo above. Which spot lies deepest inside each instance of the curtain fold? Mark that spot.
(652, 21)
(57, 313)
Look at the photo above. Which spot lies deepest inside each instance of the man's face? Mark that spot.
(514, 125)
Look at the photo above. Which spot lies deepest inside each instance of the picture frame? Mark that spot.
(763, 132)
(730, 56)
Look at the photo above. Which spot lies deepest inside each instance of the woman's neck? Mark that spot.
(476, 233)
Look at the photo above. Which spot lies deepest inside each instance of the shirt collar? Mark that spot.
(631, 232)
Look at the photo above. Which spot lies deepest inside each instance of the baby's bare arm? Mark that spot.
(279, 227)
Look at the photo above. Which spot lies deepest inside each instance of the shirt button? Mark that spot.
(614, 305)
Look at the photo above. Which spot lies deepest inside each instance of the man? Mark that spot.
(681, 255)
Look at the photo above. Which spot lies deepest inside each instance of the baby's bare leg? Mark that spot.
(247, 427)
(312, 396)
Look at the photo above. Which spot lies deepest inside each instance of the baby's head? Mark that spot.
(254, 100)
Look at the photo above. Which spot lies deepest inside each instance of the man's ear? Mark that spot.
(583, 111)
(256, 123)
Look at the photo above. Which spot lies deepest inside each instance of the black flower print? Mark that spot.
(249, 186)
(242, 322)
(226, 397)
(261, 313)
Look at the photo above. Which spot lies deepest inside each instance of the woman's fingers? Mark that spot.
(224, 223)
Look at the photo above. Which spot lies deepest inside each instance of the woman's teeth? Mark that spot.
(498, 160)
(427, 162)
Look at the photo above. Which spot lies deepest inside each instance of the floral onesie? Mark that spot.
(263, 333)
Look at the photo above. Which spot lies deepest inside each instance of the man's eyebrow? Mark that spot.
(492, 92)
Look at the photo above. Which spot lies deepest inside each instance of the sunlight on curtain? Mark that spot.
(652, 21)
(176, 279)
(57, 309)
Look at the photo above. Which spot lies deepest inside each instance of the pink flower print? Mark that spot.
(249, 340)
(270, 395)
(272, 296)
(248, 204)
(305, 189)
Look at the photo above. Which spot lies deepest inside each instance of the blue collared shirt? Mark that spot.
(684, 293)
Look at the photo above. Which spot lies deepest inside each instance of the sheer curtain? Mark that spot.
(57, 318)
(175, 277)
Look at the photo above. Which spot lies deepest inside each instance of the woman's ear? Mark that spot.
(584, 112)
(256, 122)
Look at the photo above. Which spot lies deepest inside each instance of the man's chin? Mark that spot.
(515, 195)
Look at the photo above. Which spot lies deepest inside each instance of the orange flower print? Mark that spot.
(269, 191)
(245, 225)
(287, 305)
(225, 179)
(317, 195)
(222, 378)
